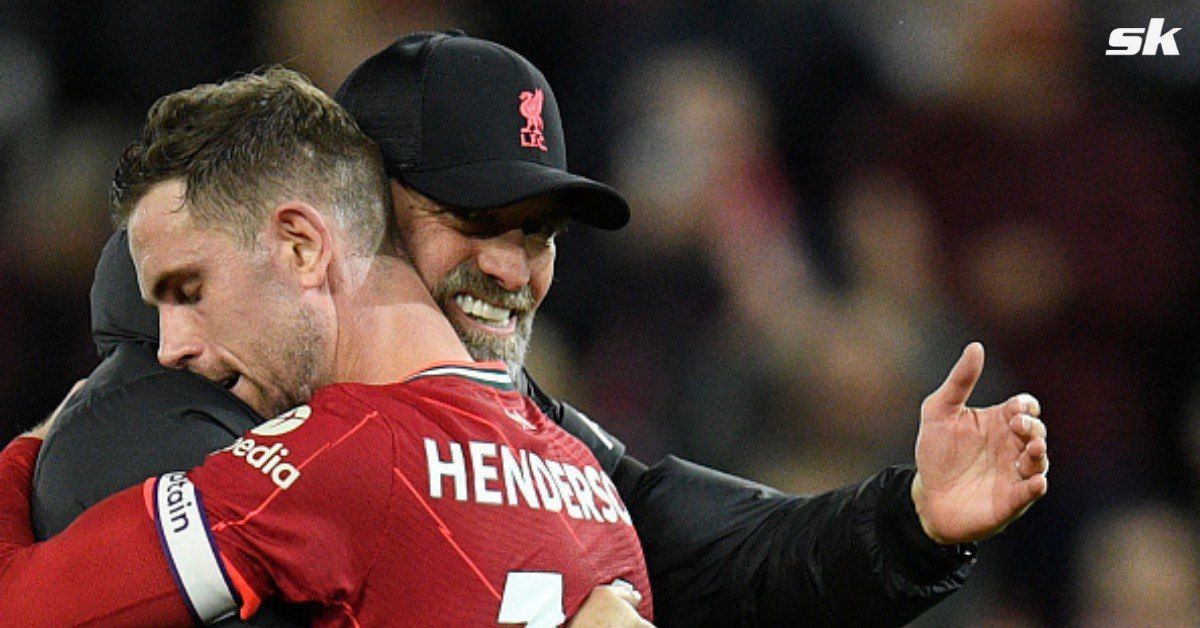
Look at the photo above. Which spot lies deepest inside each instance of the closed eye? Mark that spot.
(188, 293)
(178, 287)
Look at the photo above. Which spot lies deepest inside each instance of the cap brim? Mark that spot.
(488, 184)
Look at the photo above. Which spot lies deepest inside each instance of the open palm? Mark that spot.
(978, 469)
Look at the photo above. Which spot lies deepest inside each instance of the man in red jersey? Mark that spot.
(427, 490)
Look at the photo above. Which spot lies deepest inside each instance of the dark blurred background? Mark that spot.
(830, 199)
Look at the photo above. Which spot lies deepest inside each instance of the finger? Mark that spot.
(626, 594)
(1041, 460)
(1030, 404)
(1027, 427)
(610, 605)
(1031, 490)
(1023, 403)
(1034, 459)
(962, 378)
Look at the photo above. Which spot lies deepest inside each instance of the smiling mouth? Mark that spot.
(485, 313)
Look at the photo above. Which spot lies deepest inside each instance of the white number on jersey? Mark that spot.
(533, 598)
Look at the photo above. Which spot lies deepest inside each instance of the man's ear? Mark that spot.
(304, 241)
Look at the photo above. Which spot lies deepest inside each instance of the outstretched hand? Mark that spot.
(978, 469)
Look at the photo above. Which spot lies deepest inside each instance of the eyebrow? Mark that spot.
(170, 280)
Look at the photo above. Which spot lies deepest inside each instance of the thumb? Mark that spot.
(962, 378)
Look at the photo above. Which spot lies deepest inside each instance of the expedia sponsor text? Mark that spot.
(267, 459)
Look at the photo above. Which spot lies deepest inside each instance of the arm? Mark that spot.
(106, 568)
(255, 536)
(725, 551)
(722, 550)
(153, 422)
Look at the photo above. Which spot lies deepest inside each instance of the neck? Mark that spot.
(389, 327)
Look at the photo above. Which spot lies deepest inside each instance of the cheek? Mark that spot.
(435, 254)
(232, 321)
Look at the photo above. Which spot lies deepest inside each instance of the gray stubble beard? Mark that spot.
(485, 347)
(481, 345)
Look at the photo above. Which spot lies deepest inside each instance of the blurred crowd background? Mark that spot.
(830, 200)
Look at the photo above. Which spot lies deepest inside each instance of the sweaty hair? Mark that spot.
(250, 143)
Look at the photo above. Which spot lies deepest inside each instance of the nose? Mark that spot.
(178, 342)
(505, 259)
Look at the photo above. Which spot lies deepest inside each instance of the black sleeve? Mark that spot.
(725, 551)
(111, 440)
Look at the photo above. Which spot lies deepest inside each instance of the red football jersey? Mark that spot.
(446, 499)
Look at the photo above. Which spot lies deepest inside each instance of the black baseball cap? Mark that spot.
(473, 125)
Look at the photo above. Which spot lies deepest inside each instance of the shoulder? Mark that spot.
(126, 425)
(352, 406)
(165, 417)
(336, 441)
(130, 389)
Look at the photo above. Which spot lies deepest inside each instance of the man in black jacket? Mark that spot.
(720, 550)
(472, 140)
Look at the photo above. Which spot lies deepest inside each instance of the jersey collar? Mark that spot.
(494, 374)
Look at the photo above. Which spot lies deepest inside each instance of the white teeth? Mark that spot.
(483, 310)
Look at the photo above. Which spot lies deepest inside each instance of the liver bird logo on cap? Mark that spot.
(531, 110)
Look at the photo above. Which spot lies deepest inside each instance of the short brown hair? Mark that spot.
(244, 145)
